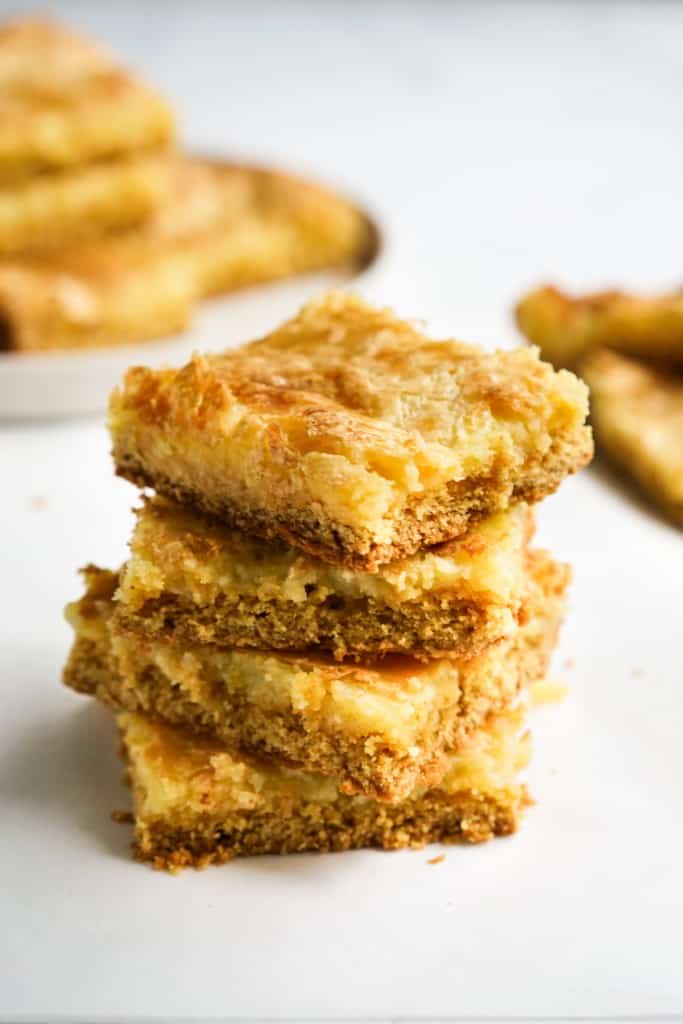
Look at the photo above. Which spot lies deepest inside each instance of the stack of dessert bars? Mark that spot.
(331, 612)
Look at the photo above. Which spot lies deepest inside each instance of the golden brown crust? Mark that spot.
(357, 630)
(567, 327)
(63, 103)
(350, 435)
(220, 227)
(637, 413)
(230, 695)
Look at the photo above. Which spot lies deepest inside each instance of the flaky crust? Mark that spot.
(220, 227)
(637, 413)
(350, 435)
(195, 688)
(566, 327)
(63, 102)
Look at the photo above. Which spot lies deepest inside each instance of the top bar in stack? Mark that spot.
(349, 434)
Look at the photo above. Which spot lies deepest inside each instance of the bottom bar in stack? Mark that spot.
(196, 803)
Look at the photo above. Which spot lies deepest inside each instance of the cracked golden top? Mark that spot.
(565, 327)
(348, 433)
(64, 102)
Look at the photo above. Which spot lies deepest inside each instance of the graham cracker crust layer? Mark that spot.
(424, 521)
(469, 817)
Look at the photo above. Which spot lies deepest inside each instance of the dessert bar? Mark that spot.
(196, 803)
(351, 435)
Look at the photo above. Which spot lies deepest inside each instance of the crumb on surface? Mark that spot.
(437, 860)
(38, 502)
(548, 691)
(568, 663)
(123, 817)
(636, 672)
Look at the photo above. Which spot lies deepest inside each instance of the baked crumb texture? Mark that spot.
(566, 327)
(637, 414)
(197, 804)
(192, 580)
(218, 228)
(349, 434)
(380, 729)
(64, 103)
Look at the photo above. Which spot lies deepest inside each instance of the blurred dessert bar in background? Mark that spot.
(80, 140)
(567, 327)
(108, 236)
(220, 228)
(65, 104)
(51, 210)
(629, 349)
(637, 416)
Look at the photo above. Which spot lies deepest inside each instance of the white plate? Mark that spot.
(76, 383)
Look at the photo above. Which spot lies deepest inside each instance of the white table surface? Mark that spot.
(504, 144)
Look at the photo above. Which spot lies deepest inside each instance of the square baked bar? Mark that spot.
(380, 729)
(193, 580)
(349, 434)
(196, 803)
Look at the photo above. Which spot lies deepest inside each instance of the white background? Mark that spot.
(503, 144)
